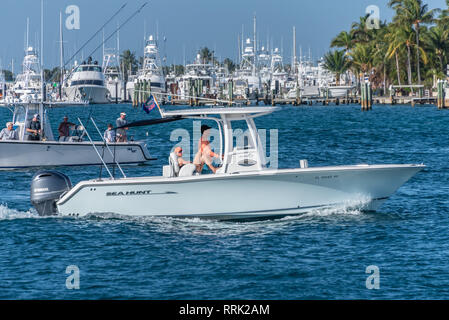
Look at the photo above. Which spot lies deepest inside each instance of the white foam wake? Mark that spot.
(9, 214)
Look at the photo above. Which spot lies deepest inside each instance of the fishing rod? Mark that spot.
(98, 31)
(119, 27)
(89, 40)
(112, 34)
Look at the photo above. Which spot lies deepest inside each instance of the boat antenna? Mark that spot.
(28, 31)
(61, 56)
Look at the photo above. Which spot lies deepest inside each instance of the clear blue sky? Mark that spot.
(187, 25)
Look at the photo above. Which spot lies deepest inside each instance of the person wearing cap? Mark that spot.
(8, 133)
(121, 132)
(34, 129)
(64, 129)
(205, 153)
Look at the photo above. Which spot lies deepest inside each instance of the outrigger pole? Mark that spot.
(112, 34)
(98, 31)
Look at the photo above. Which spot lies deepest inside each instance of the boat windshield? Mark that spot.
(88, 68)
(19, 114)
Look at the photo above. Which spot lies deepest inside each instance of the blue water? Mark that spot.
(320, 255)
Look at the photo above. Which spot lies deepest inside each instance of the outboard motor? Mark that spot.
(46, 189)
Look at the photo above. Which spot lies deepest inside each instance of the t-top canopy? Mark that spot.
(249, 111)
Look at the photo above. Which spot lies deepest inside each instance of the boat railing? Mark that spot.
(107, 146)
(96, 150)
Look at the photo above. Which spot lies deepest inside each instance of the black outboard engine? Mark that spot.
(46, 189)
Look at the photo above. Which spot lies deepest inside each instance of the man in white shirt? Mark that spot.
(8, 133)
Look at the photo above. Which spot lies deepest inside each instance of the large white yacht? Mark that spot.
(28, 83)
(86, 82)
(151, 71)
(113, 76)
(243, 187)
(278, 74)
(247, 80)
(198, 79)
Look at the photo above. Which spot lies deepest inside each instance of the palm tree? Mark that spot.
(206, 55)
(343, 40)
(413, 13)
(359, 30)
(128, 63)
(436, 42)
(336, 62)
(362, 56)
(229, 64)
(399, 37)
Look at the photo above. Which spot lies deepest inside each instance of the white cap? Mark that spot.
(123, 114)
(9, 123)
(36, 115)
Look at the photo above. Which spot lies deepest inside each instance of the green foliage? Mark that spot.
(412, 48)
(128, 63)
(337, 62)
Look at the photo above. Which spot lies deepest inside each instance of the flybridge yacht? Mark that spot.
(113, 76)
(49, 150)
(198, 80)
(278, 74)
(243, 187)
(27, 86)
(247, 80)
(151, 70)
(86, 82)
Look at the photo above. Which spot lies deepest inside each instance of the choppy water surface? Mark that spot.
(320, 255)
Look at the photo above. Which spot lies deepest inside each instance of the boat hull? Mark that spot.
(266, 193)
(93, 94)
(28, 154)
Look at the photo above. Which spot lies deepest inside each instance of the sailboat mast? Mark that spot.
(254, 46)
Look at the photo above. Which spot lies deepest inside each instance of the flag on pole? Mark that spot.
(150, 104)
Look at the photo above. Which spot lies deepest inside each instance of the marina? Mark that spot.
(229, 151)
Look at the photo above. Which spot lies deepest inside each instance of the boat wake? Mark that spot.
(7, 213)
(211, 227)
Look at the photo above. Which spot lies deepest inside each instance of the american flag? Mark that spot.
(149, 104)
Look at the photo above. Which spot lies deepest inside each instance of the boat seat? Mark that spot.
(174, 165)
(187, 170)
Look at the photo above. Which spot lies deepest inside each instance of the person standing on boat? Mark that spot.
(121, 132)
(34, 129)
(64, 129)
(109, 134)
(205, 153)
(8, 133)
